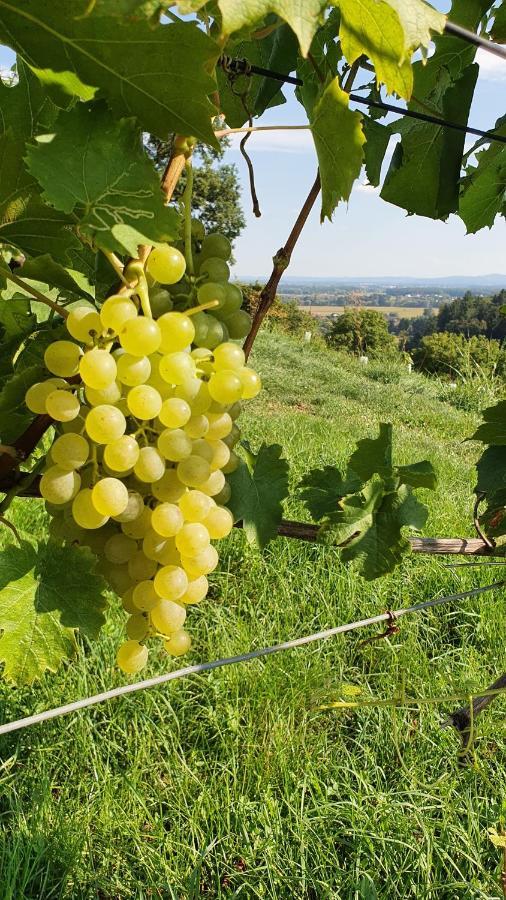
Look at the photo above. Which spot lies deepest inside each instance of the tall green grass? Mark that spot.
(235, 783)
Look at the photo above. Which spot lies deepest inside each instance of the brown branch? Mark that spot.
(24, 446)
(282, 258)
(463, 718)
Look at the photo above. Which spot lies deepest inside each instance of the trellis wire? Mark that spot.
(476, 39)
(232, 660)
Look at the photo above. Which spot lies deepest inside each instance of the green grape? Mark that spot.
(37, 394)
(140, 336)
(154, 545)
(132, 657)
(59, 485)
(177, 331)
(232, 464)
(119, 548)
(201, 328)
(238, 324)
(225, 386)
(228, 356)
(117, 576)
(176, 368)
(84, 511)
(167, 519)
(220, 424)
(122, 454)
(204, 449)
(62, 406)
(138, 528)
(169, 488)
(110, 394)
(70, 451)
(160, 302)
(212, 291)
(127, 601)
(192, 538)
(98, 369)
(251, 383)
(144, 596)
(168, 617)
(133, 370)
(221, 455)
(223, 496)
(196, 591)
(116, 311)
(196, 394)
(216, 245)
(175, 412)
(233, 300)
(144, 402)
(166, 264)
(178, 643)
(110, 496)
(201, 563)
(193, 471)
(140, 568)
(170, 555)
(219, 522)
(82, 323)
(150, 466)
(215, 269)
(197, 427)
(174, 444)
(76, 426)
(216, 333)
(198, 230)
(132, 510)
(62, 358)
(105, 424)
(171, 582)
(233, 436)
(214, 484)
(195, 506)
(137, 627)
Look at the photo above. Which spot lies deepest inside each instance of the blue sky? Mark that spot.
(367, 236)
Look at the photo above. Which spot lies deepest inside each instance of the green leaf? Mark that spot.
(493, 429)
(377, 139)
(303, 16)
(47, 592)
(323, 489)
(25, 107)
(14, 416)
(326, 54)
(46, 270)
(257, 496)
(418, 20)
(499, 27)
(105, 179)
(373, 28)
(141, 69)
(484, 187)
(491, 469)
(374, 455)
(135, 9)
(369, 528)
(418, 475)
(339, 140)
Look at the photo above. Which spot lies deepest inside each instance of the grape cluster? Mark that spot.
(144, 411)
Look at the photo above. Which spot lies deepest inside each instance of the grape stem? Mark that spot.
(116, 264)
(22, 485)
(203, 306)
(187, 205)
(56, 307)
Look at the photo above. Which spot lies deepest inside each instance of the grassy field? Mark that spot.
(234, 783)
(404, 312)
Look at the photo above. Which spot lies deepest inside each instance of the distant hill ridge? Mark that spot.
(494, 282)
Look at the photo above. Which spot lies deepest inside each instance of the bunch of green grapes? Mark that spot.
(144, 434)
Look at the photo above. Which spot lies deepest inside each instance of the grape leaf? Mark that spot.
(122, 8)
(14, 416)
(374, 455)
(377, 139)
(45, 269)
(25, 107)
(339, 140)
(493, 429)
(373, 28)
(369, 527)
(258, 491)
(499, 27)
(105, 179)
(323, 489)
(159, 74)
(491, 469)
(326, 54)
(418, 20)
(484, 187)
(47, 591)
(303, 16)
(418, 475)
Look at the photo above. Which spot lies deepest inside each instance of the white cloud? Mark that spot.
(282, 141)
(492, 68)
